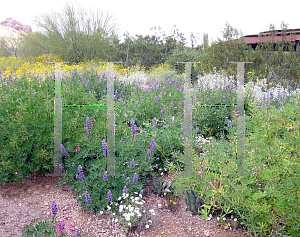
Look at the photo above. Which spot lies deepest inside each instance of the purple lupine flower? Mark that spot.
(133, 128)
(87, 197)
(88, 124)
(73, 164)
(167, 162)
(109, 196)
(149, 152)
(77, 233)
(132, 164)
(128, 181)
(271, 95)
(156, 166)
(159, 98)
(141, 192)
(135, 178)
(279, 104)
(153, 122)
(197, 130)
(284, 97)
(229, 124)
(54, 208)
(182, 88)
(136, 103)
(76, 176)
(125, 190)
(80, 171)
(122, 140)
(152, 146)
(104, 147)
(172, 105)
(137, 87)
(63, 150)
(61, 226)
(157, 158)
(105, 177)
(226, 119)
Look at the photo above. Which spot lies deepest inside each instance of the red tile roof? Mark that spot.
(291, 35)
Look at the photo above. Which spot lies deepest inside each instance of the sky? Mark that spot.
(192, 16)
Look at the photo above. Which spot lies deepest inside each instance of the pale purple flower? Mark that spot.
(88, 124)
(104, 147)
(229, 124)
(63, 150)
(109, 196)
(122, 140)
(152, 146)
(132, 164)
(133, 128)
(80, 171)
(135, 178)
(128, 181)
(87, 197)
(105, 177)
(125, 190)
(54, 208)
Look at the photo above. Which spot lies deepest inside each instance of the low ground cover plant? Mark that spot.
(150, 141)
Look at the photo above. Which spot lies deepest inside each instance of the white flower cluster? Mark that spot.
(201, 141)
(214, 79)
(139, 77)
(129, 211)
(254, 89)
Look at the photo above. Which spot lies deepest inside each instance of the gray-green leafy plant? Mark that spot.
(160, 188)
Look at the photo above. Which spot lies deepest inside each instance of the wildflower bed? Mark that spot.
(214, 174)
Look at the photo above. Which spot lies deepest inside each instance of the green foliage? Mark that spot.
(187, 55)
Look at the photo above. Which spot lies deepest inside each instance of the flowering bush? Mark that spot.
(128, 212)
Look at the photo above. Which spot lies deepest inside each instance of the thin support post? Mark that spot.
(240, 118)
(57, 159)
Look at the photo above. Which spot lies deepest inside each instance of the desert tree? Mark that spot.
(11, 44)
(73, 36)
